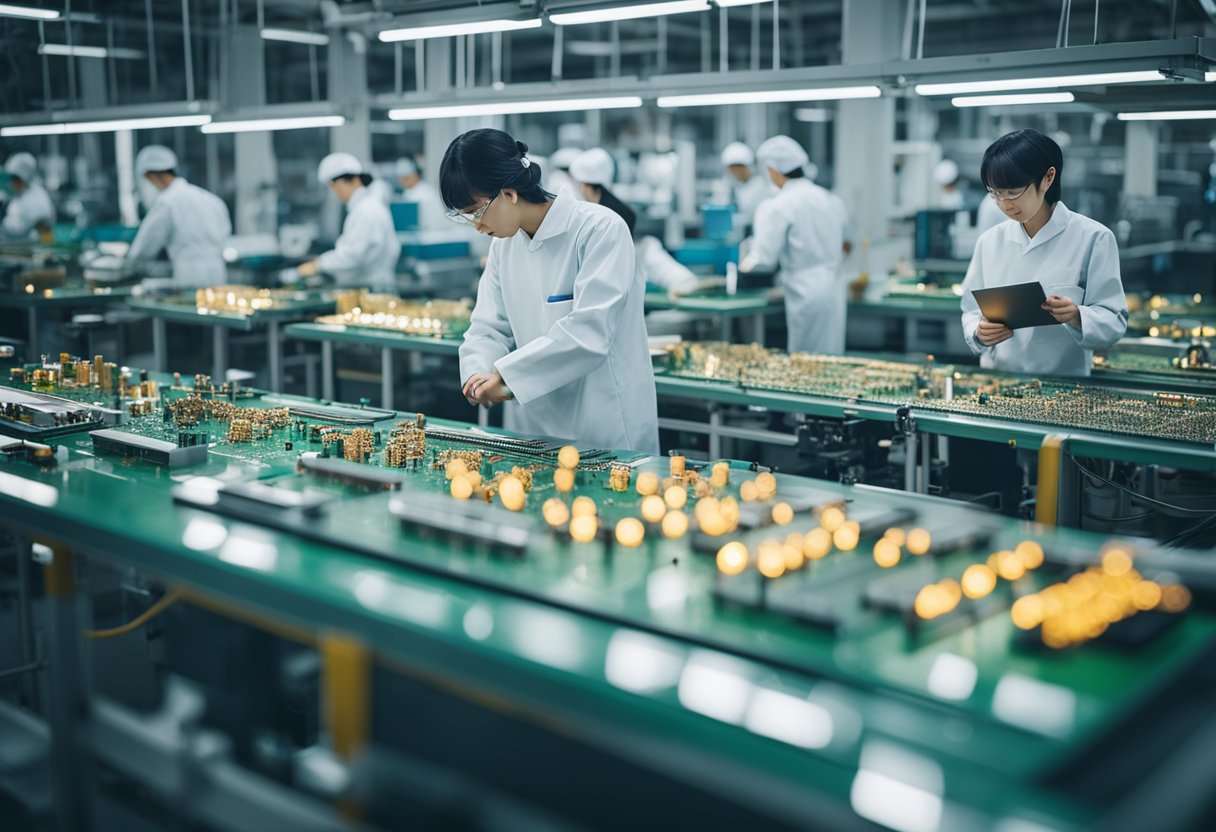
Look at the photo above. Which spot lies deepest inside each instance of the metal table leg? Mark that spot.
(219, 354)
(274, 346)
(25, 619)
(327, 370)
(483, 415)
(160, 345)
(715, 437)
(386, 378)
(926, 463)
(910, 442)
(67, 704)
(724, 328)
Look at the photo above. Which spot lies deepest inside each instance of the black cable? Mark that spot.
(1140, 497)
(1129, 518)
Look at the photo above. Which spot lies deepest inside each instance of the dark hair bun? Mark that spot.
(521, 147)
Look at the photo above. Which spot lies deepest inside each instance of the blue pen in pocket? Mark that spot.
(558, 298)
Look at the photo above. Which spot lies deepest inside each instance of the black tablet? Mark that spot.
(1017, 307)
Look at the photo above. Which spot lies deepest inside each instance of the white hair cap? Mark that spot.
(338, 164)
(737, 153)
(155, 158)
(22, 166)
(563, 156)
(406, 167)
(593, 167)
(946, 172)
(782, 154)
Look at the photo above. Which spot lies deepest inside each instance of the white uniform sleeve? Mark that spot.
(580, 341)
(350, 251)
(770, 230)
(660, 268)
(16, 223)
(153, 235)
(971, 310)
(1104, 309)
(488, 337)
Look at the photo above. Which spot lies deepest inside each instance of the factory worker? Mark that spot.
(183, 219)
(367, 251)
(594, 171)
(559, 176)
(557, 332)
(30, 214)
(950, 193)
(1074, 258)
(431, 213)
(749, 188)
(799, 232)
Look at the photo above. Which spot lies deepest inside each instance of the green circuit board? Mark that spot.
(837, 615)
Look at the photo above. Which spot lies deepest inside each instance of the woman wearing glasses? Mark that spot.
(1074, 258)
(367, 251)
(557, 332)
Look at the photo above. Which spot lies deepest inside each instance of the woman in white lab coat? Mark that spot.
(188, 222)
(1074, 258)
(749, 187)
(557, 333)
(800, 231)
(30, 212)
(594, 171)
(367, 251)
(417, 190)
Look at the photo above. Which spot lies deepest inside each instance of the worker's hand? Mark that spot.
(486, 388)
(1063, 310)
(308, 269)
(990, 334)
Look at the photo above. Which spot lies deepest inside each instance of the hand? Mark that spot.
(308, 269)
(486, 388)
(1063, 310)
(990, 334)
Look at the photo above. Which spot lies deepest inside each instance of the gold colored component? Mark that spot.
(1027, 612)
(1031, 554)
(896, 535)
(770, 559)
(676, 497)
(568, 457)
(583, 527)
(720, 475)
(653, 508)
(832, 518)
(978, 581)
(648, 483)
(919, 541)
(817, 544)
(1008, 565)
(847, 536)
(511, 493)
(618, 478)
(733, 558)
(675, 524)
(630, 532)
(563, 480)
(461, 488)
(455, 468)
(748, 492)
(583, 507)
(555, 512)
(886, 553)
(677, 466)
(766, 485)
(782, 514)
(1116, 561)
(435, 318)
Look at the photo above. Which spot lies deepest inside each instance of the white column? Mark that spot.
(256, 173)
(1140, 158)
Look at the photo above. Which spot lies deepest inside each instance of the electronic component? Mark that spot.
(466, 520)
(252, 500)
(436, 318)
(42, 415)
(158, 451)
(351, 473)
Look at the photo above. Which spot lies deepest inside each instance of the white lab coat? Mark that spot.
(381, 190)
(26, 210)
(432, 215)
(579, 368)
(801, 233)
(367, 251)
(748, 195)
(192, 225)
(659, 268)
(1072, 256)
(560, 180)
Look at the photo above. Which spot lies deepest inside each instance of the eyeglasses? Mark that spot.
(1006, 194)
(473, 218)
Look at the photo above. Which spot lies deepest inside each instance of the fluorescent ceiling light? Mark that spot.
(7, 10)
(111, 126)
(296, 36)
(88, 51)
(964, 87)
(477, 27)
(270, 124)
(1168, 115)
(726, 4)
(504, 108)
(1016, 98)
(768, 96)
(1209, 76)
(630, 12)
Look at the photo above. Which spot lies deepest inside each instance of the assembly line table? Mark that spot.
(60, 299)
(181, 310)
(753, 306)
